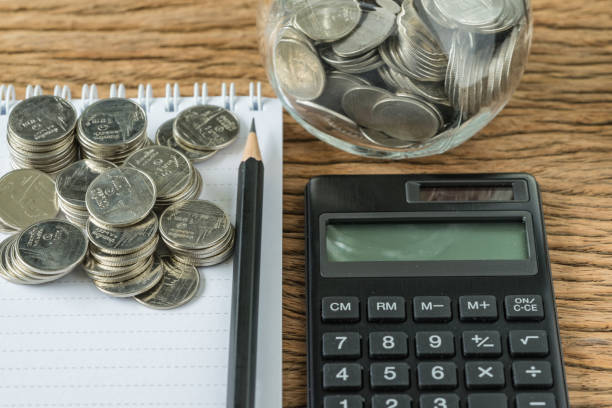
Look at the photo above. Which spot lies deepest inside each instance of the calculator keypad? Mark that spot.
(381, 360)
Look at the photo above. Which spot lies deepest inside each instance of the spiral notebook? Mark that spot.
(66, 344)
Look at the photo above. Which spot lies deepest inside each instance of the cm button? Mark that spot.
(340, 309)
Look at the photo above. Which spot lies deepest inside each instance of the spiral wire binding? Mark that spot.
(145, 98)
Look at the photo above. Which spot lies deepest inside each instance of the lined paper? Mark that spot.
(66, 344)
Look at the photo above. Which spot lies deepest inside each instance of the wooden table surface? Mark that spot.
(557, 127)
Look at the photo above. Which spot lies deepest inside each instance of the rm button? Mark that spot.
(386, 309)
(340, 309)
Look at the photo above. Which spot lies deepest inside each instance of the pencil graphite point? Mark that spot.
(251, 149)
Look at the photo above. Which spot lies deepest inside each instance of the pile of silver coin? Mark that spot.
(172, 172)
(42, 253)
(397, 73)
(112, 129)
(41, 134)
(197, 233)
(71, 186)
(26, 197)
(122, 230)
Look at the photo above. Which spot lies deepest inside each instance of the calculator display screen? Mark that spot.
(426, 241)
(471, 193)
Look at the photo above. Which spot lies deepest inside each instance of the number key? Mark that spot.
(391, 401)
(388, 344)
(435, 344)
(343, 401)
(437, 375)
(342, 376)
(341, 345)
(386, 375)
(439, 401)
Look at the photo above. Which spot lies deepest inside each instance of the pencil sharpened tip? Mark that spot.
(253, 130)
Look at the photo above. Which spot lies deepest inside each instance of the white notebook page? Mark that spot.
(66, 344)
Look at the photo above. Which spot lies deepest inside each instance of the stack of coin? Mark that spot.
(203, 128)
(398, 75)
(43, 252)
(197, 232)
(112, 129)
(123, 232)
(178, 286)
(172, 172)
(71, 186)
(26, 197)
(165, 137)
(41, 134)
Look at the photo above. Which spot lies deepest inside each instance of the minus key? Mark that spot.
(536, 400)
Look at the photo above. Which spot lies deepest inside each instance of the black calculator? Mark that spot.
(430, 292)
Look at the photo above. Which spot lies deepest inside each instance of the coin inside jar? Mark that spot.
(120, 197)
(206, 127)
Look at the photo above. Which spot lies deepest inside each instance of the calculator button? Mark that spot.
(389, 375)
(341, 376)
(343, 401)
(536, 400)
(482, 343)
(386, 309)
(388, 344)
(478, 308)
(437, 375)
(340, 309)
(528, 343)
(391, 401)
(439, 401)
(435, 344)
(524, 307)
(484, 374)
(487, 401)
(341, 345)
(532, 374)
(432, 309)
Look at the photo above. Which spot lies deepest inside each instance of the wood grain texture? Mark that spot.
(557, 127)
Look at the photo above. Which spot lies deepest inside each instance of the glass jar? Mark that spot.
(395, 78)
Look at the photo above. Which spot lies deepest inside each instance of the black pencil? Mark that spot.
(245, 291)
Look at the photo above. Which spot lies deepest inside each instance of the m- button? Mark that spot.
(386, 309)
(524, 307)
(340, 309)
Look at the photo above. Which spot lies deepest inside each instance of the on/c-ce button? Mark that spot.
(340, 309)
(524, 307)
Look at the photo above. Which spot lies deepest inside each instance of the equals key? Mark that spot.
(535, 400)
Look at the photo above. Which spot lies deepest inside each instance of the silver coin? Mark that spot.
(51, 247)
(26, 196)
(329, 121)
(99, 271)
(206, 127)
(407, 119)
(42, 120)
(134, 286)
(389, 5)
(328, 20)
(336, 86)
(170, 170)
(123, 240)
(359, 102)
(72, 182)
(468, 13)
(114, 260)
(385, 140)
(374, 29)
(112, 122)
(195, 224)
(165, 137)
(299, 72)
(177, 287)
(121, 197)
